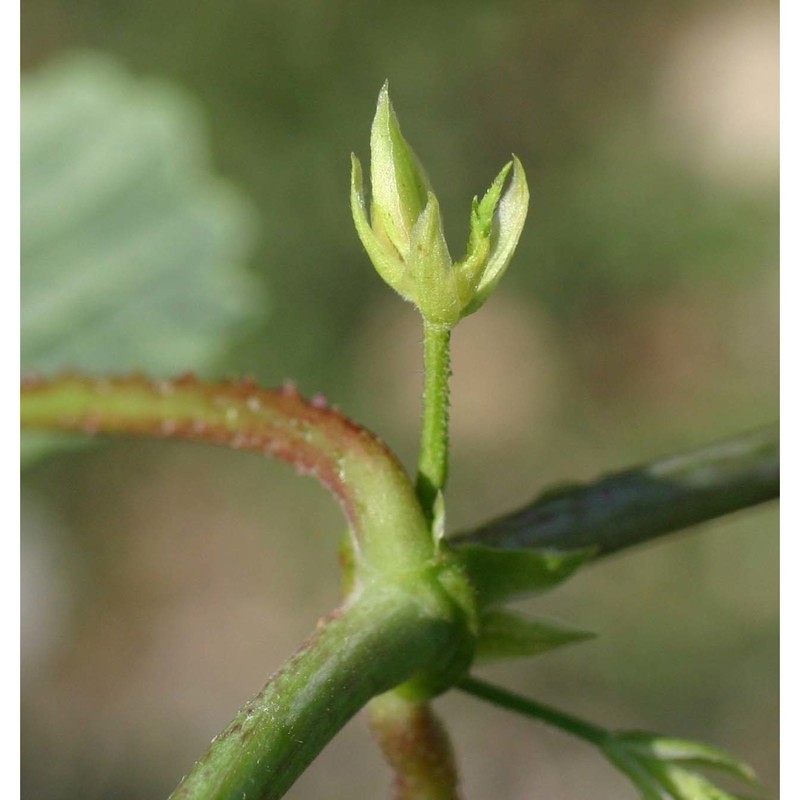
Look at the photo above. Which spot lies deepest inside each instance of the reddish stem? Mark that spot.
(354, 464)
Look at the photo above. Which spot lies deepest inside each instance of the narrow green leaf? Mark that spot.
(500, 575)
(649, 785)
(507, 634)
(659, 771)
(685, 785)
(664, 748)
(661, 767)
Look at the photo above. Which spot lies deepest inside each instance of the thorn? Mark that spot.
(289, 389)
(31, 381)
(91, 424)
(165, 387)
(319, 401)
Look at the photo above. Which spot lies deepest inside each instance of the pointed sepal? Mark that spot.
(381, 252)
(507, 634)
(431, 270)
(501, 575)
(507, 228)
(479, 244)
(400, 186)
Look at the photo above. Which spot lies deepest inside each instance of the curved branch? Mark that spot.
(373, 489)
(639, 504)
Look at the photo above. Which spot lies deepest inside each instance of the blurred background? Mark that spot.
(162, 583)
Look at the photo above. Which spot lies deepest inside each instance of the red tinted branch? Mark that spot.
(355, 465)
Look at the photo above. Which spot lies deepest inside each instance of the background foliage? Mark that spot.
(163, 582)
(132, 252)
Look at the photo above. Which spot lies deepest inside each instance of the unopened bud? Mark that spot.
(403, 233)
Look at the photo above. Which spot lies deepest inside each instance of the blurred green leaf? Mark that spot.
(132, 250)
(657, 765)
(506, 634)
(665, 748)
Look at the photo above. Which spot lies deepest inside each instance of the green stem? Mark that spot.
(530, 708)
(417, 747)
(390, 534)
(639, 504)
(361, 651)
(432, 474)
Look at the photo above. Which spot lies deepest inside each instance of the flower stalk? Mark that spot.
(417, 747)
(403, 235)
(434, 443)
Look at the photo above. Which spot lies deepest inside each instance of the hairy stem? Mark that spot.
(390, 533)
(361, 651)
(530, 708)
(417, 747)
(639, 504)
(433, 453)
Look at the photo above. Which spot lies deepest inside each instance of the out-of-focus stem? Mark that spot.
(417, 747)
(530, 708)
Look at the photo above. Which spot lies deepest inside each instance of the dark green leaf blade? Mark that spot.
(501, 575)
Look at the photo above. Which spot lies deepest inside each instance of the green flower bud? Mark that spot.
(403, 234)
